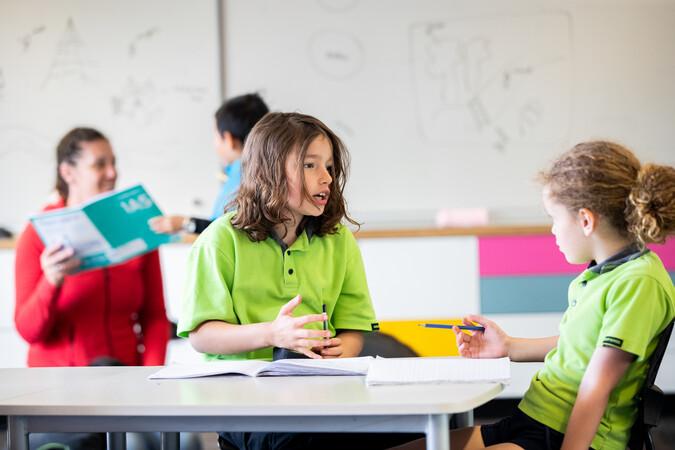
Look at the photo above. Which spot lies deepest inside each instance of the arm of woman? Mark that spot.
(605, 369)
(152, 316)
(36, 296)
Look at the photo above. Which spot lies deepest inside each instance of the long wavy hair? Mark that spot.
(606, 178)
(262, 199)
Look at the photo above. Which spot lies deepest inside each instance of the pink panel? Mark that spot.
(523, 255)
(667, 253)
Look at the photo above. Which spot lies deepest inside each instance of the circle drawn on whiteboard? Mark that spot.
(336, 54)
(338, 5)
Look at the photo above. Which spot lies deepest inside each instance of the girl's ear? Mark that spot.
(588, 221)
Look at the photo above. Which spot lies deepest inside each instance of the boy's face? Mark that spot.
(316, 167)
(227, 148)
(568, 231)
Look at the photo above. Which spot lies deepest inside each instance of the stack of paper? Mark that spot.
(438, 370)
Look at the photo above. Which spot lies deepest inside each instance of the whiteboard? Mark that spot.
(145, 73)
(454, 104)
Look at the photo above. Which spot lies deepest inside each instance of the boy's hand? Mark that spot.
(333, 348)
(166, 224)
(491, 343)
(289, 332)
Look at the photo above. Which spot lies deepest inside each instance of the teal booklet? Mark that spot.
(108, 229)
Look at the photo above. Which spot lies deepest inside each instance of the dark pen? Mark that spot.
(325, 322)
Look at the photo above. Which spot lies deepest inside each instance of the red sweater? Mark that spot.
(117, 311)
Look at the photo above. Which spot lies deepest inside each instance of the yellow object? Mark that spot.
(425, 341)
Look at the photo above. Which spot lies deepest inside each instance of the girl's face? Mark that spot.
(568, 231)
(92, 173)
(317, 168)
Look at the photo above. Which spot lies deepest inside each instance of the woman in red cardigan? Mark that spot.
(114, 315)
(74, 319)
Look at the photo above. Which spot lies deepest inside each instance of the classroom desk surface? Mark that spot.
(117, 399)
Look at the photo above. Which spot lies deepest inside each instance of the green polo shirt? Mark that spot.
(233, 279)
(625, 303)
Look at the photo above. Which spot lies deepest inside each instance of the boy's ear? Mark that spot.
(231, 141)
(588, 220)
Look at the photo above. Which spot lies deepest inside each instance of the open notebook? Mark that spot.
(257, 368)
(438, 370)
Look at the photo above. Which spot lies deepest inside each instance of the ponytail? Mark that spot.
(650, 207)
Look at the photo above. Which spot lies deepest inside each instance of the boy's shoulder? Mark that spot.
(219, 231)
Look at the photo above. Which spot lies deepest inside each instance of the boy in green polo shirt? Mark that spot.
(605, 207)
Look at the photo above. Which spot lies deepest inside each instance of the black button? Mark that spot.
(288, 252)
(290, 271)
(584, 283)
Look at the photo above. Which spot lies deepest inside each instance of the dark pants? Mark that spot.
(324, 441)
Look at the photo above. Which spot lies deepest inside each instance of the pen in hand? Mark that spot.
(461, 327)
(325, 322)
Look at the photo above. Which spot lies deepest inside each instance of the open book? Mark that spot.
(438, 370)
(257, 368)
(108, 229)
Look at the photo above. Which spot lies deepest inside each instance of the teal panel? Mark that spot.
(536, 294)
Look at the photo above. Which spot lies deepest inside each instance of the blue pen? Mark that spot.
(461, 327)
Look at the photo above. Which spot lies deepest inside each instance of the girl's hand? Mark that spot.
(57, 261)
(491, 343)
(166, 224)
(289, 332)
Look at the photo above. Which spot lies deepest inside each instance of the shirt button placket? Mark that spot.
(290, 276)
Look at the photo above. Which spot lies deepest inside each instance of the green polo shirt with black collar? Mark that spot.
(232, 279)
(624, 302)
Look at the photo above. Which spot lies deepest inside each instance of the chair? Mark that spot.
(650, 399)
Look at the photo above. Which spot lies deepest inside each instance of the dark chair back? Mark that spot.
(650, 401)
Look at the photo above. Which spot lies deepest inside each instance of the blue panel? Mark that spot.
(536, 294)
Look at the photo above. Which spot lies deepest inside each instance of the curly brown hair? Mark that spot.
(606, 178)
(262, 199)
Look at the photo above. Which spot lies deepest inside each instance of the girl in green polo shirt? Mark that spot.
(605, 207)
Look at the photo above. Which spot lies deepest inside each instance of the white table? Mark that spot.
(122, 399)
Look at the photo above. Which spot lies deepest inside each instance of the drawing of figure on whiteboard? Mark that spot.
(71, 59)
(26, 40)
(138, 102)
(482, 83)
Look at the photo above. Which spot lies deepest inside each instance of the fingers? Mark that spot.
(475, 319)
(308, 353)
(288, 308)
(155, 223)
(310, 318)
(334, 349)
